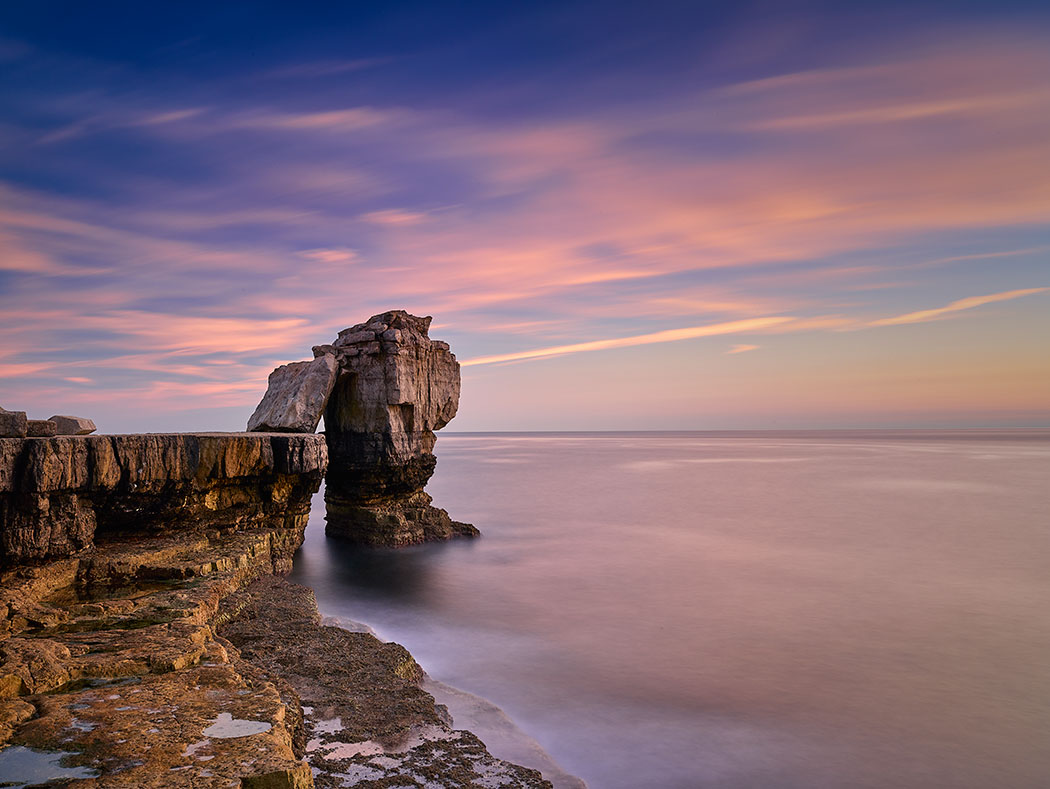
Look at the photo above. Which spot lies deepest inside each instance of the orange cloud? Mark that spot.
(956, 306)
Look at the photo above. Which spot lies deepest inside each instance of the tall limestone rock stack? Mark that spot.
(384, 387)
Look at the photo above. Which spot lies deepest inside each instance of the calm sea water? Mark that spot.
(736, 610)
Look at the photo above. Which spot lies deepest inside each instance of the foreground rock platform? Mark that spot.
(182, 661)
(366, 723)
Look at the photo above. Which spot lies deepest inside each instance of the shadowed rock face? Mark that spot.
(396, 386)
(56, 493)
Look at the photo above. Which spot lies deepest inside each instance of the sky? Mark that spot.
(621, 215)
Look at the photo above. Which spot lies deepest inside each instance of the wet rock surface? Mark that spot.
(182, 661)
(112, 656)
(366, 722)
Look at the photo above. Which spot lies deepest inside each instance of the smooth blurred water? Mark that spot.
(736, 610)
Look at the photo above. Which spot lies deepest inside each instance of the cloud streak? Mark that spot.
(669, 335)
(959, 305)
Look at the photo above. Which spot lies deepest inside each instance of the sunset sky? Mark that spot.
(621, 215)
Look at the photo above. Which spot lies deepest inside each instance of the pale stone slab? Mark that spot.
(296, 397)
(73, 425)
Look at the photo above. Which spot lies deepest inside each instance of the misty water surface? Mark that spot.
(759, 610)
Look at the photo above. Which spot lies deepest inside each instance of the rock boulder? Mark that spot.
(73, 425)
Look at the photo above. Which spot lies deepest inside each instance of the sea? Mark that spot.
(730, 609)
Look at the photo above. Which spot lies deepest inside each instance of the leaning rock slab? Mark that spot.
(13, 424)
(73, 425)
(296, 397)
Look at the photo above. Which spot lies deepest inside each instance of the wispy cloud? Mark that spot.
(956, 306)
(325, 68)
(742, 349)
(669, 335)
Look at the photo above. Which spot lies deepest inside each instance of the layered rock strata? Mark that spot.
(111, 658)
(391, 388)
(395, 388)
(57, 495)
(119, 555)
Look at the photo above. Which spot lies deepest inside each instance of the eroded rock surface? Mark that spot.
(366, 722)
(179, 660)
(112, 656)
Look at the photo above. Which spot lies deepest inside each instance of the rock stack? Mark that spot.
(383, 387)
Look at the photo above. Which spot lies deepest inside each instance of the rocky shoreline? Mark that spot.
(164, 649)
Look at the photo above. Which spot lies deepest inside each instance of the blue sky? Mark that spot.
(621, 216)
